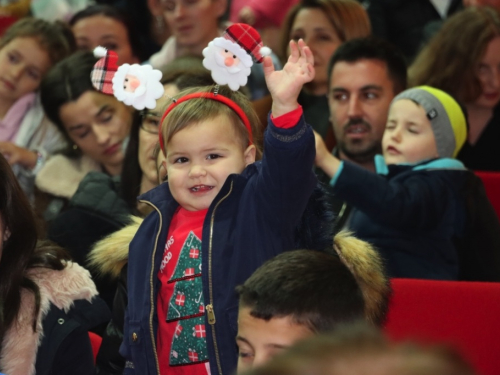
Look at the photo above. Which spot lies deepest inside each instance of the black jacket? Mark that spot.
(403, 22)
(416, 215)
(94, 211)
(66, 334)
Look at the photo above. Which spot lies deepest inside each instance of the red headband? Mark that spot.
(208, 95)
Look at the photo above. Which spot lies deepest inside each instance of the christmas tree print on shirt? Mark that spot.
(189, 342)
(189, 262)
(187, 299)
(187, 306)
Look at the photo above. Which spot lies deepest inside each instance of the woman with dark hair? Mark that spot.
(463, 59)
(39, 331)
(95, 125)
(81, 185)
(104, 25)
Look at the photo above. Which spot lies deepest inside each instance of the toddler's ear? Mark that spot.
(249, 154)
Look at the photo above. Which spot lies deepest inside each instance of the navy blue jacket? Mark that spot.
(251, 220)
(411, 213)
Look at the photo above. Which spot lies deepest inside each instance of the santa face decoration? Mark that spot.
(229, 57)
(135, 85)
(226, 67)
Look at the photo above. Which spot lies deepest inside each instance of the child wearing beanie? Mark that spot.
(414, 209)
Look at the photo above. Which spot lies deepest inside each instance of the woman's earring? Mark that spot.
(160, 24)
(75, 147)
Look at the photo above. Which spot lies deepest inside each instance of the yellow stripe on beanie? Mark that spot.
(455, 115)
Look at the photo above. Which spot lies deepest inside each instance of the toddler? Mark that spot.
(414, 208)
(219, 216)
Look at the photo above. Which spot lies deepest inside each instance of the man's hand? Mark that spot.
(286, 84)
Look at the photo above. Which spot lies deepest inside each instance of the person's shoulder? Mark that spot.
(110, 254)
(437, 165)
(61, 175)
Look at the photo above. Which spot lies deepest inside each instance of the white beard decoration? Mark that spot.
(228, 62)
(137, 85)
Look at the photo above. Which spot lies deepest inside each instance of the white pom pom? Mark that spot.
(265, 51)
(100, 51)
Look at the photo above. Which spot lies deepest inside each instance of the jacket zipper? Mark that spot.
(151, 288)
(210, 307)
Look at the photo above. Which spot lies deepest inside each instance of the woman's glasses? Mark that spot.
(150, 121)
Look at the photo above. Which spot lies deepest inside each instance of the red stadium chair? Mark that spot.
(5, 22)
(491, 182)
(464, 314)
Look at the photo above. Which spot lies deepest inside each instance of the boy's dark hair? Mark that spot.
(373, 48)
(314, 288)
(55, 37)
(119, 16)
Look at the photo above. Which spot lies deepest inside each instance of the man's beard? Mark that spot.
(359, 150)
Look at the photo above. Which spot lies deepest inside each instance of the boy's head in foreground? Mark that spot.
(362, 350)
(303, 292)
(423, 123)
(206, 141)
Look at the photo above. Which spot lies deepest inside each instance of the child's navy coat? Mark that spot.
(251, 220)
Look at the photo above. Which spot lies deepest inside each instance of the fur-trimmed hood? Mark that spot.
(366, 265)
(61, 288)
(109, 255)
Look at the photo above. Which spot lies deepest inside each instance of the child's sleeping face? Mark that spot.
(200, 157)
(23, 63)
(408, 136)
(259, 340)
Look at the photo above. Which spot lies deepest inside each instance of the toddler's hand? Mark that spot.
(321, 150)
(324, 159)
(286, 84)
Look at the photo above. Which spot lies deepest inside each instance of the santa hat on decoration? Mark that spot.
(104, 70)
(135, 85)
(245, 43)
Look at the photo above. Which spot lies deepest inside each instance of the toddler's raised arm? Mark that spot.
(286, 84)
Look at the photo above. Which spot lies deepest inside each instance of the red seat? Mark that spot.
(5, 23)
(491, 182)
(95, 341)
(464, 314)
